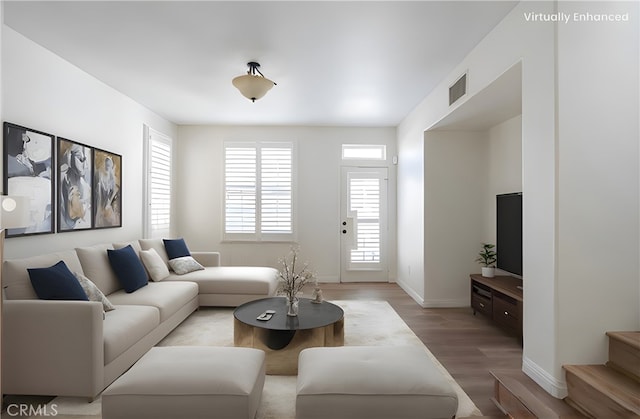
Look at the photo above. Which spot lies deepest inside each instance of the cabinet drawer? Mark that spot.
(481, 304)
(506, 314)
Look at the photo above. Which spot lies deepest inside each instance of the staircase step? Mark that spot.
(602, 392)
(624, 353)
(518, 396)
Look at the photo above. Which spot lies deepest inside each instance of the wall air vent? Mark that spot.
(458, 89)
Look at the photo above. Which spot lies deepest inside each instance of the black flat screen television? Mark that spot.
(509, 232)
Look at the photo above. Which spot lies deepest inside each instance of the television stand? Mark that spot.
(500, 299)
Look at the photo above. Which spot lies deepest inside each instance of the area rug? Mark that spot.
(366, 323)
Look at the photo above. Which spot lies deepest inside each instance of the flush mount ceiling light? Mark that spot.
(253, 86)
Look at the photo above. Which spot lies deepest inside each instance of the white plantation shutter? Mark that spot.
(240, 189)
(158, 185)
(365, 201)
(276, 190)
(259, 191)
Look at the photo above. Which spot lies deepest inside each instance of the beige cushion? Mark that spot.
(156, 244)
(93, 292)
(189, 382)
(153, 263)
(95, 265)
(245, 280)
(15, 278)
(356, 382)
(125, 326)
(184, 265)
(168, 297)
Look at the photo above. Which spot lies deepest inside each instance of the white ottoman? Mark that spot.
(188, 382)
(372, 382)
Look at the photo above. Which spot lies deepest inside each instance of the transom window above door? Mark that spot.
(364, 152)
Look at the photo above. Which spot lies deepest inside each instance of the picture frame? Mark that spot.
(75, 185)
(28, 171)
(107, 189)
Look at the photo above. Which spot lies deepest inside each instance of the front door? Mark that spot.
(363, 225)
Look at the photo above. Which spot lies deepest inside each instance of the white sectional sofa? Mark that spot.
(74, 348)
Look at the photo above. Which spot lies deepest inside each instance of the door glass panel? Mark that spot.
(364, 200)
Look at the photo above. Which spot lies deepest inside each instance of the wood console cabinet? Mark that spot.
(500, 299)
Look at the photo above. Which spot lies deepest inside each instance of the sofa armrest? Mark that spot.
(207, 258)
(52, 347)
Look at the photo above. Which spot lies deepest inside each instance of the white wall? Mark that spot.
(200, 171)
(511, 41)
(579, 167)
(411, 208)
(504, 165)
(464, 171)
(42, 91)
(455, 180)
(598, 180)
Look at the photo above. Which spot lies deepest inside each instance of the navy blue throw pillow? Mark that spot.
(56, 282)
(176, 248)
(128, 268)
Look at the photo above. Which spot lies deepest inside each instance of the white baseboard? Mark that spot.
(550, 384)
(411, 292)
(463, 302)
(446, 303)
(326, 279)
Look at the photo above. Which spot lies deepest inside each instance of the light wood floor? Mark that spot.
(468, 346)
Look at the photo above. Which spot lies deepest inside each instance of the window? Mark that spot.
(364, 152)
(258, 191)
(158, 184)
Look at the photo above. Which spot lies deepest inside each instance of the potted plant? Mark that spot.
(487, 257)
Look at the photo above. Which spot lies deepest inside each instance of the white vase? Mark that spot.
(292, 306)
(488, 271)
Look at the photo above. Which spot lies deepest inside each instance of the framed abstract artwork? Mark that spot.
(75, 173)
(28, 159)
(107, 189)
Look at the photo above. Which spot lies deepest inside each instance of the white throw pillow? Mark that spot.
(156, 267)
(184, 265)
(93, 292)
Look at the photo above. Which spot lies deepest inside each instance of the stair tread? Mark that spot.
(630, 338)
(618, 387)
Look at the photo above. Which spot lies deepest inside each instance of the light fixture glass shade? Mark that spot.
(14, 211)
(252, 86)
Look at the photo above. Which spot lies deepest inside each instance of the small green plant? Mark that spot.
(487, 256)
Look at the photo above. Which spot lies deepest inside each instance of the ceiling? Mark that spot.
(354, 63)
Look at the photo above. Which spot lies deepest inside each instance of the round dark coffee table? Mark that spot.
(283, 337)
